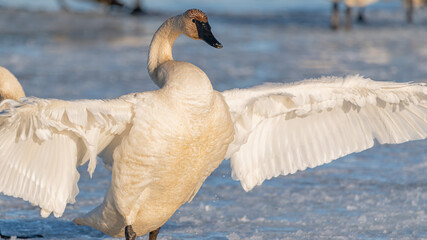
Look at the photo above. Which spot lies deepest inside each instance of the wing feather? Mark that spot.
(283, 128)
(43, 142)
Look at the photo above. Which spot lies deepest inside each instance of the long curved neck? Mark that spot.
(161, 47)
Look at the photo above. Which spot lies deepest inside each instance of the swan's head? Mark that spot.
(196, 26)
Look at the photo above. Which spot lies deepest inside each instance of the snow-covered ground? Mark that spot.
(380, 193)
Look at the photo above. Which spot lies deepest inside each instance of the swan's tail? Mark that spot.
(105, 218)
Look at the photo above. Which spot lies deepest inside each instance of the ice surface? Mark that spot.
(377, 194)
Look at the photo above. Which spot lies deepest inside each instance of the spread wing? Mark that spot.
(43, 141)
(282, 128)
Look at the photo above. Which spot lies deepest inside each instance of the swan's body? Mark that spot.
(175, 162)
(10, 88)
(162, 145)
(356, 3)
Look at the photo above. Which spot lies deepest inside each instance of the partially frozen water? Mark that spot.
(380, 193)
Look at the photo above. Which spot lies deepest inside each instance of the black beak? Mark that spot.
(204, 31)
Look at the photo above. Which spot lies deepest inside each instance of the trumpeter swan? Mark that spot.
(349, 5)
(162, 145)
(10, 88)
(361, 4)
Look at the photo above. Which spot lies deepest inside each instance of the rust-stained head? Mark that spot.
(194, 24)
(197, 15)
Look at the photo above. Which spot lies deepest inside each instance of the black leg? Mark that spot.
(361, 15)
(348, 18)
(129, 233)
(153, 234)
(138, 10)
(335, 17)
(409, 10)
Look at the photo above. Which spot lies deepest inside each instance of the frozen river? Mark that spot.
(380, 193)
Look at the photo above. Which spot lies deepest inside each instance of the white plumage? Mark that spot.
(356, 3)
(162, 145)
(282, 128)
(43, 141)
